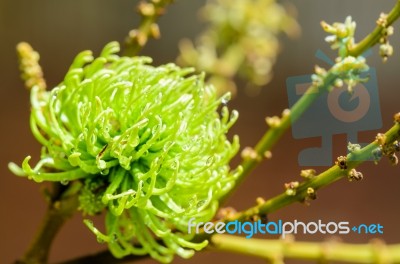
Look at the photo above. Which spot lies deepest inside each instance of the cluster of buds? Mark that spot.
(311, 194)
(308, 174)
(353, 147)
(347, 70)
(354, 175)
(225, 213)
(342, 37)
(241, 39)
(276, 121)
(148, 10)
(29, 64)
(319, 76)
(350, 71)
(291, 188)
(385, 49)
(250, 153)
(397, 118)
(386, 148)
(342, 162)
(389, 150)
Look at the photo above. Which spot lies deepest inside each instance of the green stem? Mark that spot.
(272, 136)
(374, 37)
(277, 250)
(137, 38)
(324, 179)
(61, 208)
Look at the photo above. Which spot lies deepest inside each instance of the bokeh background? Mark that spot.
(60, 29)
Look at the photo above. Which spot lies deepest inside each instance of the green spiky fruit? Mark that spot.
(147, 143)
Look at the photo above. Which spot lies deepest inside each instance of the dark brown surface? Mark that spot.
(60, 29)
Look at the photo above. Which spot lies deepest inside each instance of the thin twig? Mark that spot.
(137, 38)
(278, 250)
(326, 178)
(63, 203)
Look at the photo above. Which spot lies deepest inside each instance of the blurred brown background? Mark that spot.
(60, 29)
